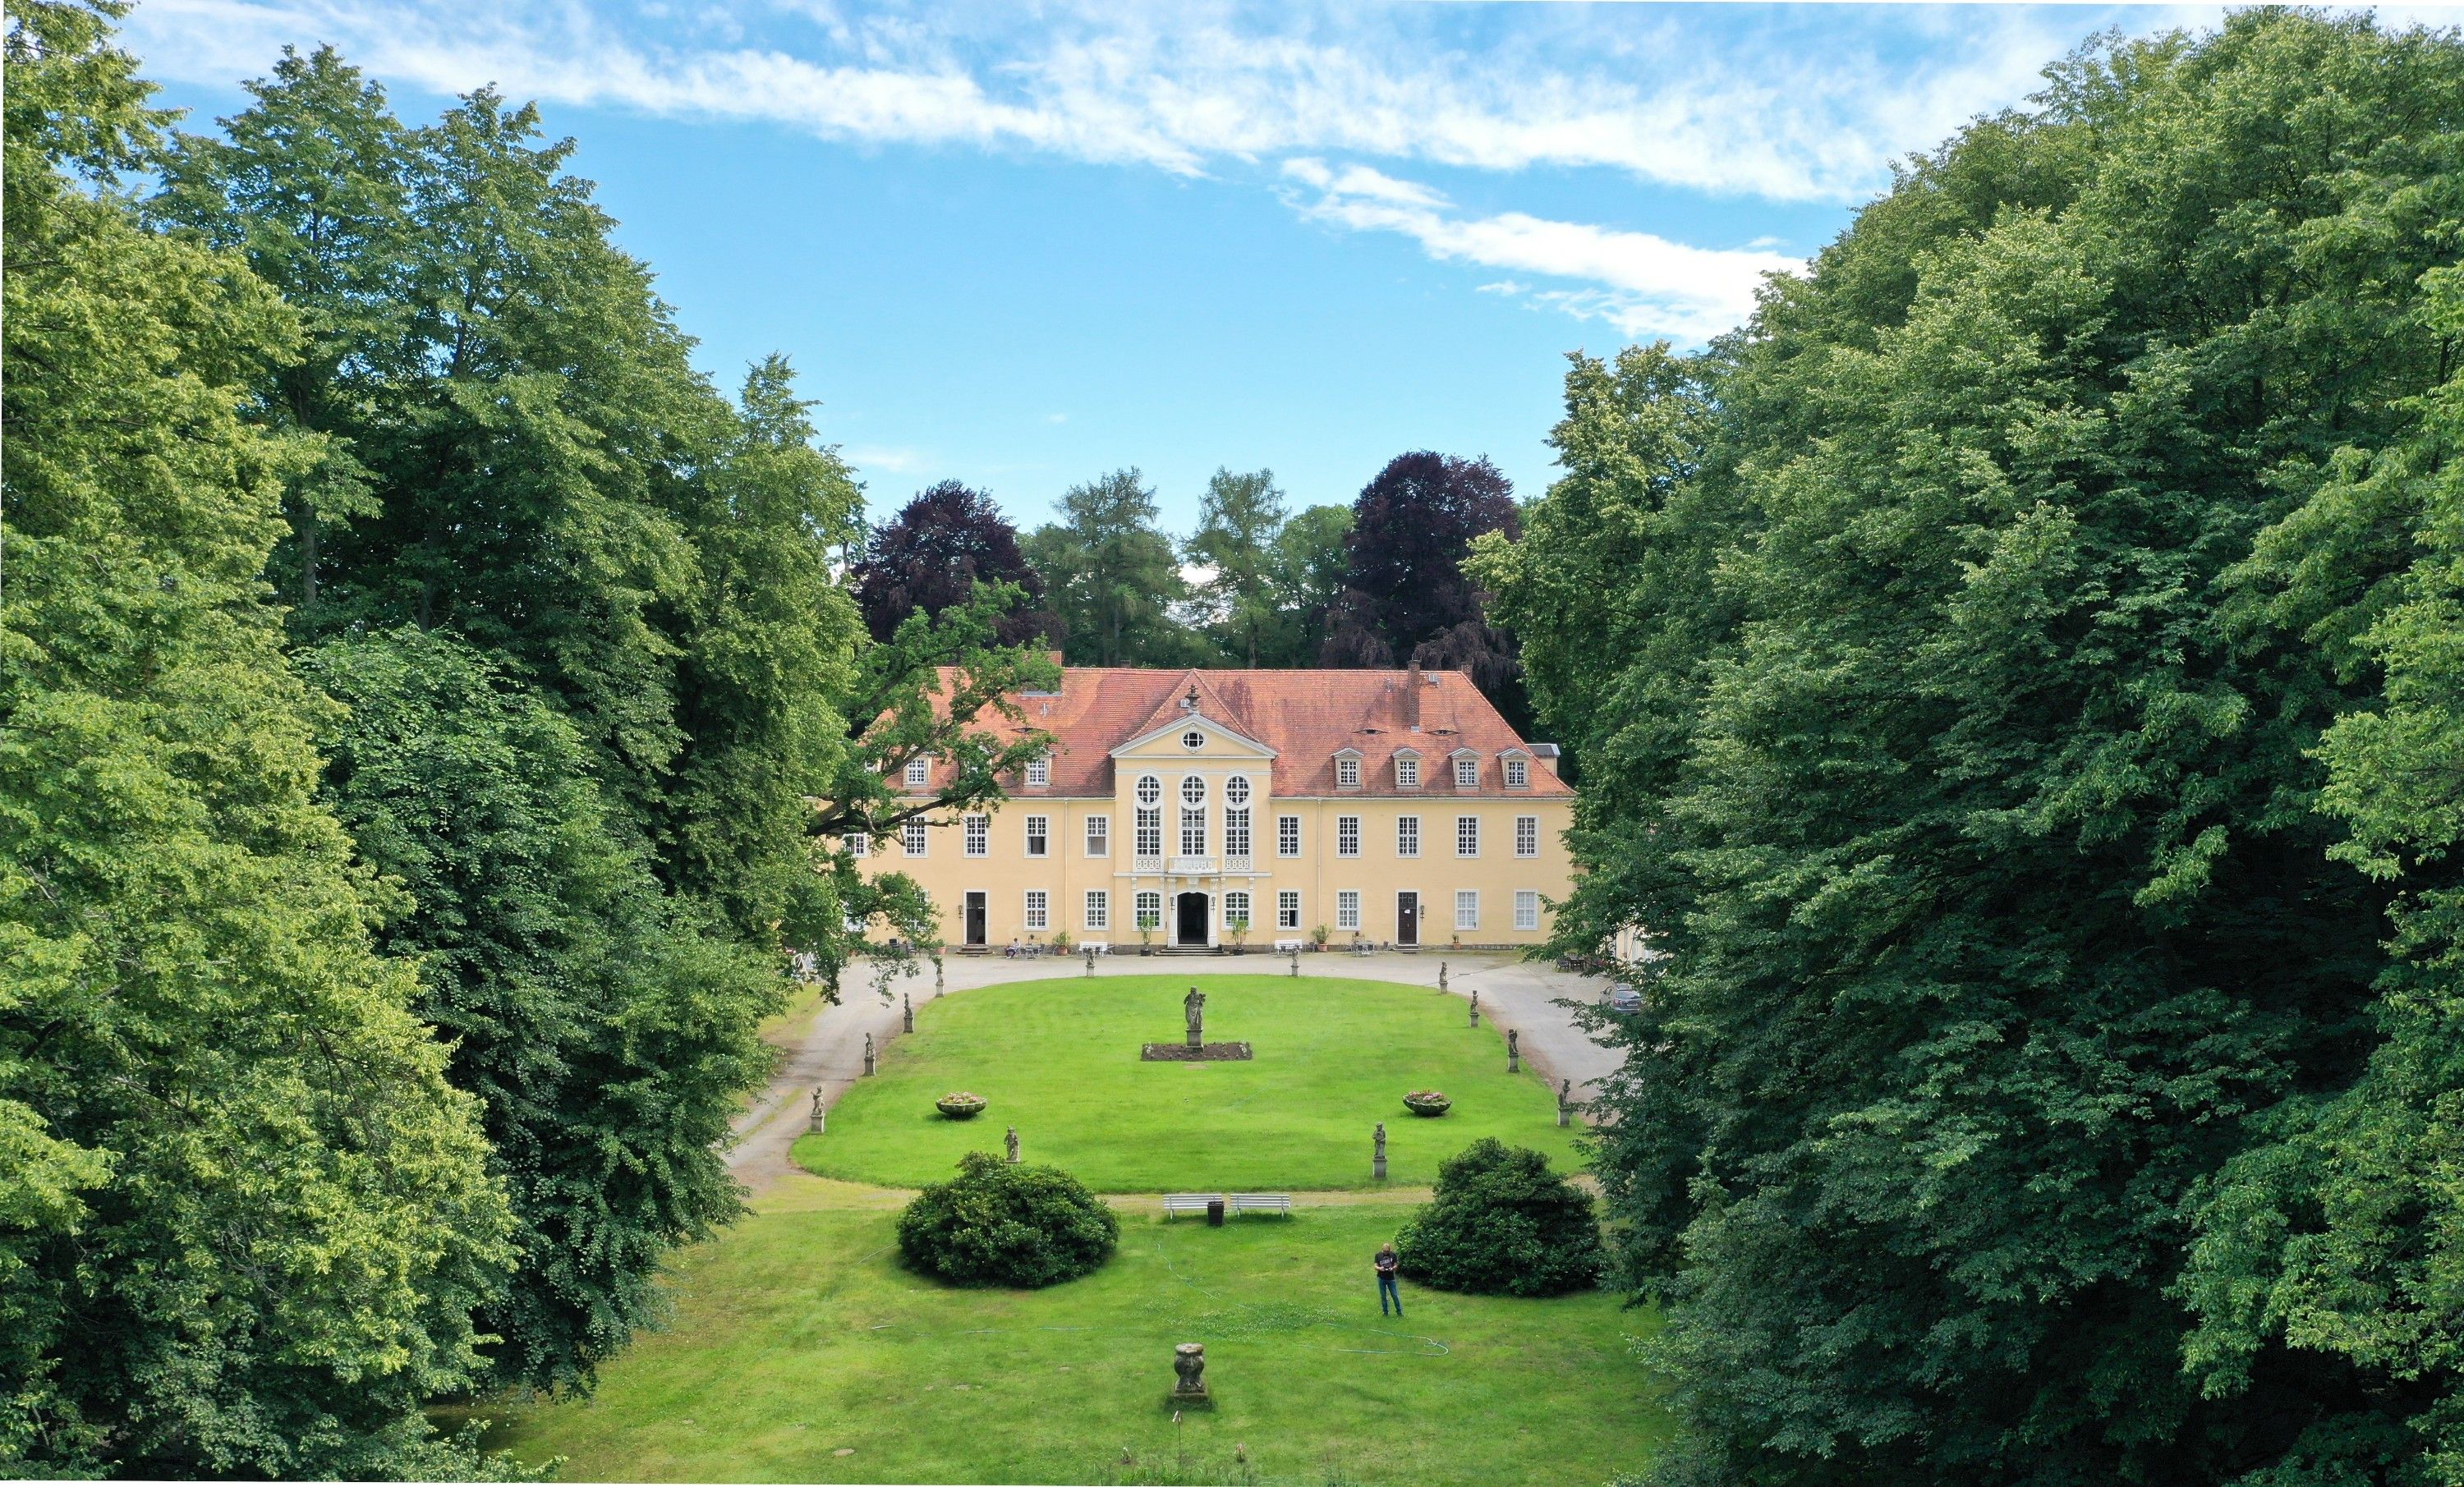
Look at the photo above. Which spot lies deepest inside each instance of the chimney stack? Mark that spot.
(1412, 698)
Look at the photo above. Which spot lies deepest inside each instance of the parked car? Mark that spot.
(1625, 999)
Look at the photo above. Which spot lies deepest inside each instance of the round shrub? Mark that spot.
(961, 1105)
(995, 1224)
(1501, 1222)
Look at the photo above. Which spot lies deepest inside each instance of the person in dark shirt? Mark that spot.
(1388, 1263)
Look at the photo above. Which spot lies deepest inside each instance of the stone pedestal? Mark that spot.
(1377, 1156)
(1189, 1365)
(867, 1053)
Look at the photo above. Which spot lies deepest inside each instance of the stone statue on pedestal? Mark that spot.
(907, 1010)
(1475, 1006)
(1013, 1146)
(1565, 1102)
(1514, 1052)
(1193, 1007)
(1378, 1162)
(817, 1108)
(1441, 975)
(867, 1053)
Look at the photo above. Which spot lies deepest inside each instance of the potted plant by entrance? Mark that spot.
(1146, 932)
(1427, 1102)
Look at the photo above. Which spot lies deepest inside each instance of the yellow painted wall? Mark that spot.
(1005, 873)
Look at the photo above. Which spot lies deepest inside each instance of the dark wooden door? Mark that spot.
(1407, 919)
(1193, 920)
(975, 919)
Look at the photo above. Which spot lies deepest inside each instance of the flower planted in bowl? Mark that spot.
(1426, 1101)
(962, 1105)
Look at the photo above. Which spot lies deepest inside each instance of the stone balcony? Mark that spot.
(1189, 864)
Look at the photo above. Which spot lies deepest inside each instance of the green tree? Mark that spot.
(1949, 745)
(244, 1218)
(1239, 519)
(1313, 552)
(609, 1039)
(1113, 578)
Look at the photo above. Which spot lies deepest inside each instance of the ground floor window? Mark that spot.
(1287, 909)
(1466, 908)
(1527, 910)
(1039, 910)
(1150, 910)
(1236, 909)
(1347, 910)
(1099, 910)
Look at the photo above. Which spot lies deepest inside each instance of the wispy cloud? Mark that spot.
(895, 460)
(1186, 88)
(1641, 283)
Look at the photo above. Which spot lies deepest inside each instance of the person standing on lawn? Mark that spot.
(1388, 1263)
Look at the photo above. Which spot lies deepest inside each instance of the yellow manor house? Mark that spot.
(1224, 807)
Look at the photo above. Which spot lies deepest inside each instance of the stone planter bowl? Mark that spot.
(962, 1105)
(1427, 1101)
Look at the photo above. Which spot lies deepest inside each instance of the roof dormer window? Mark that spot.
(1346, 771)
(1518, 772)
(1039, 771)
(1467, 771)
(1407, 770)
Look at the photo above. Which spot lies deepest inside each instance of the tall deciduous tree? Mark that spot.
(1311, 552)
(244, 1219)
(1405, 595)
(1114, 578)
(1239, 518)
(932, 555)
(1993, 1115)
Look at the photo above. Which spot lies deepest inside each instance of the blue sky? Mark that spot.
(1020, 245)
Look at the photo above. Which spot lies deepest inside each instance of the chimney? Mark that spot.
(1412, 698)
(1547, 755)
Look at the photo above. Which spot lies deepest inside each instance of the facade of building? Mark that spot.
(1222, 807)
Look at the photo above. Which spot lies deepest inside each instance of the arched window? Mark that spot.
(1149, 836)
(1236, 789)
(1193, 791)
(1149, 790)
(1192, 817)
(1236, 817)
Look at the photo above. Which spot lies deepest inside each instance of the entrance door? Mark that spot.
(975, 918)
(1407, 919)
(1190, 914)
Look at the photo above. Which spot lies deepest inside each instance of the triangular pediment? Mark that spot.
(1165, 742)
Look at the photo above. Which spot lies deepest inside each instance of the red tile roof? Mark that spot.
(1305, 716)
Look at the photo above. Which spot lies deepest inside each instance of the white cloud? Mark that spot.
(893, 459)
(1186, 88)
(1644, 284)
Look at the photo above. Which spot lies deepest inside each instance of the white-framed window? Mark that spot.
(1099, 910)
(1038, 773)
(1407, 772)
(1347, 909)
(1192, 817)
(1288, 835)
(859, 844)
(1287, 909)
(1347, 773)
(1527, 836)
(1407, 836)
(1347, 836)
(1466, 908)
(1236, 817)
(910, 835)
(1236, 908)
(979, 836)
(1236, 789)
(1148, 908)
(1099, 836)
(1193, 739)
(1527, 908)
(1466, 836)
(1038, 835)
(1039, 910)
(1518, 773)
(1193, 790)
(919, 772)
(1466, 773)
(1150, 822)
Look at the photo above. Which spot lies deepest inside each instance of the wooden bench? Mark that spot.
(1188, 1202)
(1262, 1203)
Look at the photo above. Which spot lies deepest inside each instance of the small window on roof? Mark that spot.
(1468, 773)
(1407, 770)
(1347, 772)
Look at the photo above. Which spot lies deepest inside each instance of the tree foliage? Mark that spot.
(1978, 669)
(245, 1222)
(1114, 578)
(1406, 594)
(933, 553)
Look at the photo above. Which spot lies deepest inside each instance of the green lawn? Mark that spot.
(1059, 1060)
(799, 1336)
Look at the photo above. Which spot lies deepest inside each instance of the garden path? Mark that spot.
(825, 1050)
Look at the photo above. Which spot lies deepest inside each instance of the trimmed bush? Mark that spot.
(995, 1224)
(1502, 1223)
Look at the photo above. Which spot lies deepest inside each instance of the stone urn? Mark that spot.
(962, 1105)
(1427, 1102)
(1189, 1362)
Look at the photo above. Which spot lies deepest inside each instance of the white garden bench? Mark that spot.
(1262, 1203)
(1284, 946)
(1188, 1202)
(1098, 946)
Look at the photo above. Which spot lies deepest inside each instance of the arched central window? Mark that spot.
(1192, 817)
(1236, 817)
(1149, 838)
